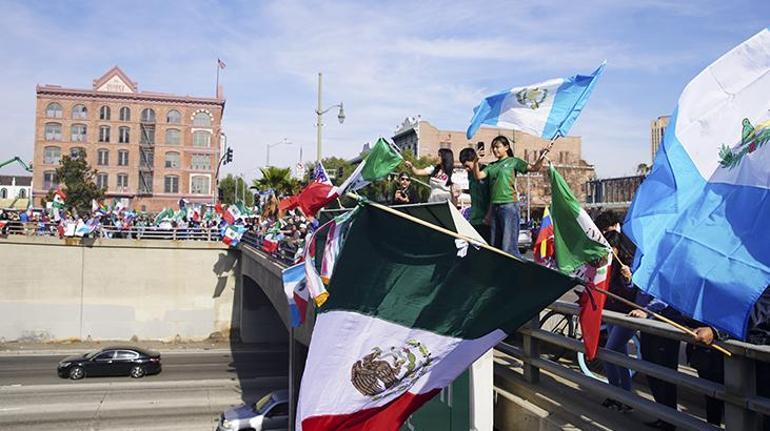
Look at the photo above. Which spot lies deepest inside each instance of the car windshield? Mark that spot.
(261, 405)
(90, 355)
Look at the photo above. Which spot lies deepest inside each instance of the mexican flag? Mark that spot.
(380, 161)
(232, 235)
(581, 251)
(390, 337)
(166, 213)
(58, 203)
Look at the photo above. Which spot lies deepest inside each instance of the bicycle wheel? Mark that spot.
(560, 324)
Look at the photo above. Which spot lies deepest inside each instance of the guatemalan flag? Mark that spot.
(295, 288)
(545, 109)
(700, 218)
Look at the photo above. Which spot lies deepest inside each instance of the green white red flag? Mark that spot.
(581, 251)
(409, 309)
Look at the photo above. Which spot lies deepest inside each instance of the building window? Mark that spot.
(123, 158)
(103, 157)
(146, 134)
(104, 133)
(148, 116)
(172, 159)
(201, 139)
(53, 110)
(200, 162)
(51, 155)
(173, 137)
(202, 119)
(22, 194)
(101, 180)
(174, 117)
(52, 132)
(79, 112)
(104, 113)
(125, 114)
(49, 179)
(199, 185)
(122, 182)
(3, 194)
(77, 152)
(171, 184)
(78, 133)
(123, 135)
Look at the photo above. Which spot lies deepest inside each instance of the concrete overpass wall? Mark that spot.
(52, 289)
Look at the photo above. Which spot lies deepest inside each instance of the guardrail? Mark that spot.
(743, 407)
(285, 253)
(148, 232)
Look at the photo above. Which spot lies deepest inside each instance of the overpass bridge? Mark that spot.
(104, 288)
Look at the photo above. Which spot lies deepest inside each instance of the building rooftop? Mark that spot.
(21, 180)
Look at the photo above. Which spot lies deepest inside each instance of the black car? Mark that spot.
(111, 361)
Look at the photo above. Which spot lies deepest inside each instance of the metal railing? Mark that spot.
(148, 232)
(285, 253)
(743, 408)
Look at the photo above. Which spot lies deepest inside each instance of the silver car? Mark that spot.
(271, 412)
(525, 238)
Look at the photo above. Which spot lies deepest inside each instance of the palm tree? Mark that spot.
(278, 179)
(642, 169)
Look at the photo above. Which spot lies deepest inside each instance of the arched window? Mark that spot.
(172, 159)
(102, 180)
(104, 133)
(148, 116)
(76, 152)
(53, 110)
(52, 132)
(123, 135)
(79, 112)
(199, 184)
(201, 139)
(22, 193)
(103, 157)
(104, 113)
(173, 137)
(202, 119)
(171, 184)
(3, 193)
(51, 155)
(78, 133)
(125, 114)
(173, 117)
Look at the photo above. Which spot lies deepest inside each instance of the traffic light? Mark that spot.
(229, 155)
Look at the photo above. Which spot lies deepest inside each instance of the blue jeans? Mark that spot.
(618, 342)
(505, 227)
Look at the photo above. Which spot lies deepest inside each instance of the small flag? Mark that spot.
(314, 283)
(338, 231)
(232, 235)
(296, 293)
(543, 250)
(221, 64)
(545, 109)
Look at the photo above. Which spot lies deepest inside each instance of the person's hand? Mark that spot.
(705, 335)
(408, 164)
(625, 272)
(639, 314)
(468, 164)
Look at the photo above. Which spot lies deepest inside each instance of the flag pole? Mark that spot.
(216, 90)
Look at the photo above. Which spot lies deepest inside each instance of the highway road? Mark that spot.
(189, 394)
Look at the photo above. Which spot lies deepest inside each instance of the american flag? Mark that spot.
(319, 175)
(220, 63)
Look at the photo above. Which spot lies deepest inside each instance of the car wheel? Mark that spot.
(77, 373)
(137, 372)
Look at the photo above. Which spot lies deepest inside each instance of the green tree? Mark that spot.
(231, 185)
(78, 179)
(278, 179)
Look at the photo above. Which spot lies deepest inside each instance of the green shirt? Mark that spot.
(502, 179)
(479, 191)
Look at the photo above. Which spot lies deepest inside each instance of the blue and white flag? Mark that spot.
(320, 175)
(700, 219)
(546, 109)
(296, 292)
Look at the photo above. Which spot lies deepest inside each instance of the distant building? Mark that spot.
(424, 139)
(15, 191)
(150, 149)
(657, 130)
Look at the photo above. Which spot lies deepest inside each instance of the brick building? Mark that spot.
(657, 130)
(422, 138)
(150, 149)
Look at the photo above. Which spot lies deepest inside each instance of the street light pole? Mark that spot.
(283, 141)
(319, 116)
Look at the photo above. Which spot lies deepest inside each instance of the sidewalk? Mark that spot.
(165, 347)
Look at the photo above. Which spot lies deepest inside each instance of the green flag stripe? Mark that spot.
(410, 275)
(380, 161)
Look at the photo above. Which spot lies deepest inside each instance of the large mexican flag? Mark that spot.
(406, 315)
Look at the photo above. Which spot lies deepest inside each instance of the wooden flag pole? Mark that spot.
(660, 317)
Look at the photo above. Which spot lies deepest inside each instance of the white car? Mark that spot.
(525, 238)
(271, 412)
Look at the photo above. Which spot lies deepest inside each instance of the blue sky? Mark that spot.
(384, 60)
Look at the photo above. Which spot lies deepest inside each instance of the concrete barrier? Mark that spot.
(116, 289)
